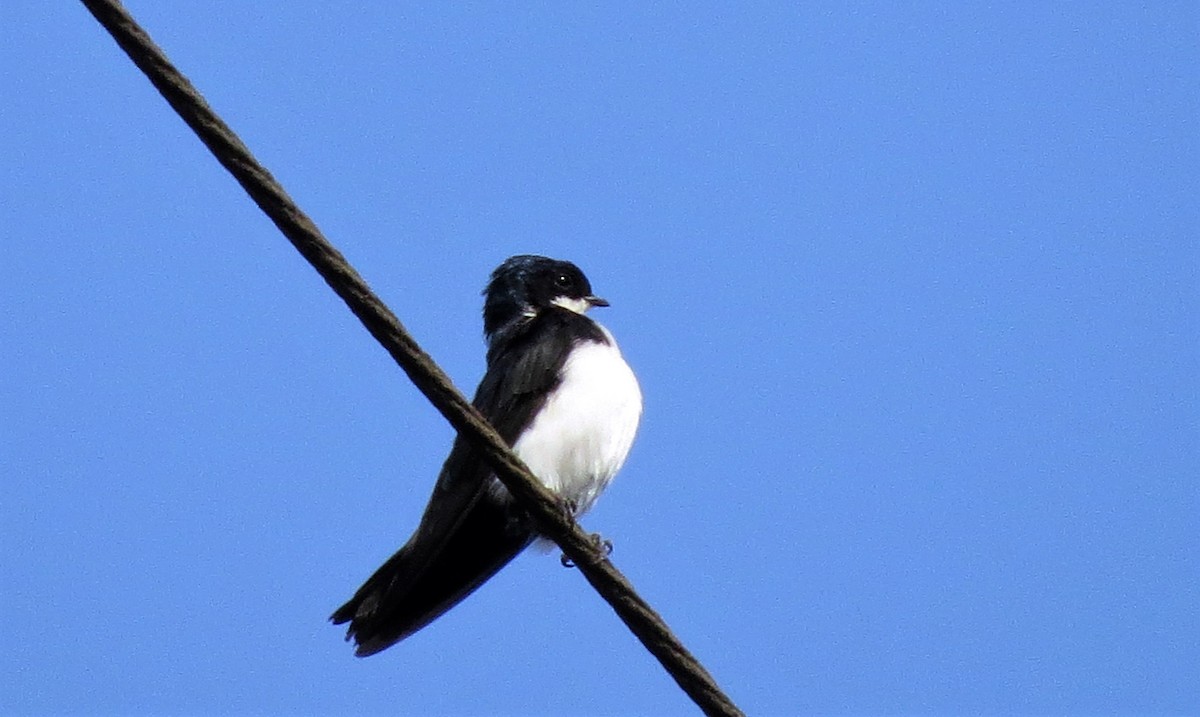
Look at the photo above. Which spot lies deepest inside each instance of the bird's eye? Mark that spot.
(562, 281)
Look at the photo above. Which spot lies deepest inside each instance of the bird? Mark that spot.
(558, 390)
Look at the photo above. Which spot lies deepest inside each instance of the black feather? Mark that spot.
(469, 530)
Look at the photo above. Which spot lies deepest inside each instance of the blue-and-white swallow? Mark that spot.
(559, 392)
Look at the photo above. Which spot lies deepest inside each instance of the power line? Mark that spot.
(546, 511)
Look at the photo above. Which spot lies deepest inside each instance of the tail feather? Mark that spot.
(423, 580)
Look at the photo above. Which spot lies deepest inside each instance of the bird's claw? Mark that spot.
(598, 541)
(602, 543)
(568, 507)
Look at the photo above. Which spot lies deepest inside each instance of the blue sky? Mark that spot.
(912, 293)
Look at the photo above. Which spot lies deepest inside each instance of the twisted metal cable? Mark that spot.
(551, 520)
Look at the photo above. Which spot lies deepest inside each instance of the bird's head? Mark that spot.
(524, 285)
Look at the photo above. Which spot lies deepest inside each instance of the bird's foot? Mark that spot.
(598, 541)
(568, 507)
(603, 544)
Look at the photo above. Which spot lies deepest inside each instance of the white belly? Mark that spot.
(580, 438)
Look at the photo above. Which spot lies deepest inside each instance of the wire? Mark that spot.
(552, 521)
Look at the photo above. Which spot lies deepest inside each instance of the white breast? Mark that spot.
(580, 438)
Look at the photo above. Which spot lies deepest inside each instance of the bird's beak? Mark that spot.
(595, 301)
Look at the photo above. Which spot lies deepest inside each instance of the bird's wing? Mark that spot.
(467, 533)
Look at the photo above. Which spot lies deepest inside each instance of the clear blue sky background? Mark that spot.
(912, 294)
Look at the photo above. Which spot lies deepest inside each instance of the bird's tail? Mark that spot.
(425, 578)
